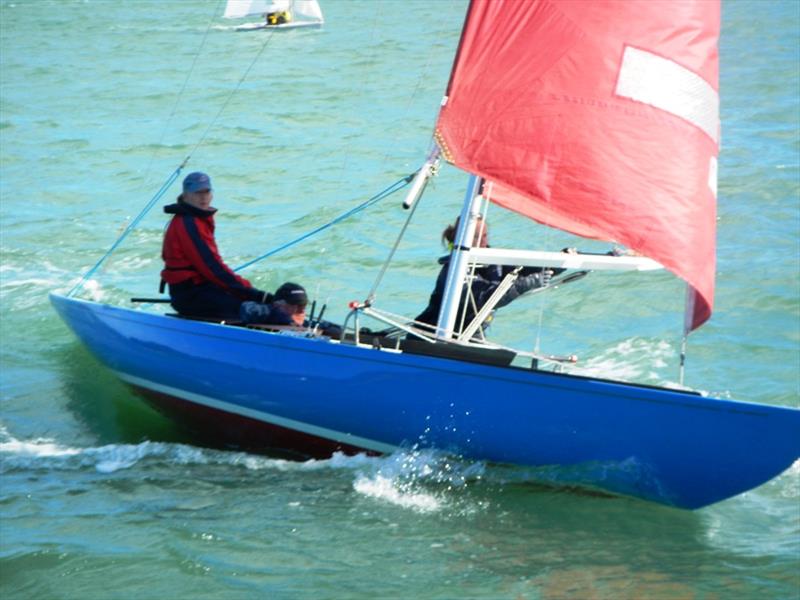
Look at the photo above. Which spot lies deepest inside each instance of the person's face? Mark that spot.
(295, 311)
(298, 314)
(201, 199)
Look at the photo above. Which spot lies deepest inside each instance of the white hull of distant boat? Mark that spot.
(282, 26)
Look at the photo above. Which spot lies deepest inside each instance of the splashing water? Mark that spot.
(405, 478)
(634, 359)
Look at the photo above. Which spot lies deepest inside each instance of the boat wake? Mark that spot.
(421, 480)
(47, 454)
(417, 480)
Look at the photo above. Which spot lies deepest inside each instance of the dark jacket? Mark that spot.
(485, 282)
(191, 257)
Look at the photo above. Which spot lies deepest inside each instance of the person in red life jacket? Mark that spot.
(200, 283)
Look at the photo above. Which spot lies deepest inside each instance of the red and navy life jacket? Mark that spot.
(190, 253)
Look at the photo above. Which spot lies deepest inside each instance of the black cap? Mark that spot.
(292, 293)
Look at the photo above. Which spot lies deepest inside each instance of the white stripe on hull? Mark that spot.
(330, 434)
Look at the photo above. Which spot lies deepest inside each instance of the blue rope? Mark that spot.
(170, 180)
(397, 185)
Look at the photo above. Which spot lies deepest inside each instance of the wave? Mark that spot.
(23, 288)
(418, 480)
(424, 481)
(48, 454)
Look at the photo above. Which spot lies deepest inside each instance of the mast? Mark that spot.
(459, 259)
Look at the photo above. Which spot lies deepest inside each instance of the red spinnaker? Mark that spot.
(599, 118)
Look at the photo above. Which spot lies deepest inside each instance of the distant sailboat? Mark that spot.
(278, 14)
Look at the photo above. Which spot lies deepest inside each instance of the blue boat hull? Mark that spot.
(314, 396)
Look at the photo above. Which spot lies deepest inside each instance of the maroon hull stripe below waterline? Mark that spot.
(221, 428)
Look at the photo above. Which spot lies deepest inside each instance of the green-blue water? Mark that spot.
(100, 497)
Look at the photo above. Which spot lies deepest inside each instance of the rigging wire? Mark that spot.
(175, 174)
(543, 300)
(181, 92)
(423, 75)
(131, 226)
(396, 186)
(231, 95)
(385, 266)
(170, 180)
(371, 295)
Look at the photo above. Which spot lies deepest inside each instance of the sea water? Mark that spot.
(101, 497)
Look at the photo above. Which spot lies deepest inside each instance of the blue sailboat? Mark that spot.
(299, 391)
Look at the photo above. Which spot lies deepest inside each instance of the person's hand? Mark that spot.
(544, 277)
(617, 251)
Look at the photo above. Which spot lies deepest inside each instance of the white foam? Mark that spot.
(33, 281)
(420, 480)
(93, 287)
(634, 359)
(387, 489)
(790, 484)
(47, 453)
(25, 286)
(38, 448)
(133, 263)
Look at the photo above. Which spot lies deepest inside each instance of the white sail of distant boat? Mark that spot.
(277, 14)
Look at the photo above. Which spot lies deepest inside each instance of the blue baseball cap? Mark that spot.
(196, 182)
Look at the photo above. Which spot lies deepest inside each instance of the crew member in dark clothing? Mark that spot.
(288, 307)
(200, 283)
(484, 283)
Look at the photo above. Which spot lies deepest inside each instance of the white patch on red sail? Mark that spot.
(666, 85)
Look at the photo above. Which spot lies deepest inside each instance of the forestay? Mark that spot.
(598, 118)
